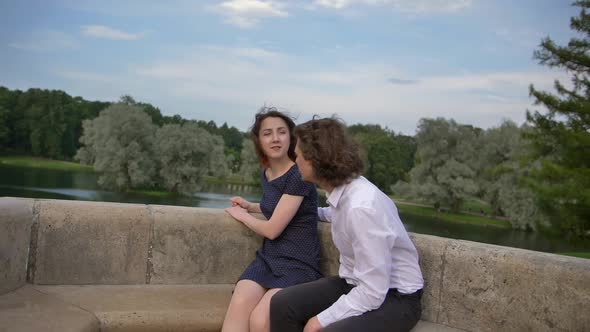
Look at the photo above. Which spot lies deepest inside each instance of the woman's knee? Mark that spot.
(259, 321)
(246, 297)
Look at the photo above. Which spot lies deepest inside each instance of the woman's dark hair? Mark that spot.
(334, 155)
(271, 112)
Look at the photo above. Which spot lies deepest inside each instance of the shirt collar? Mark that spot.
(335, 195)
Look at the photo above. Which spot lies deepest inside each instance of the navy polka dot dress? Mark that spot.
(294, 256)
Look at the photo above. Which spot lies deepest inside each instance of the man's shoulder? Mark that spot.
(360, 192)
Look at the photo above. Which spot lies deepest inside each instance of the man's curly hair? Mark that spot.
(334, 155)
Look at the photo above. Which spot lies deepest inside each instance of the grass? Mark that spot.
(33, 162)
(576, 254)
(477, 206)
(153, 193)
(430, 212)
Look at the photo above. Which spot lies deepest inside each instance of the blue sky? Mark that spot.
(387, 62)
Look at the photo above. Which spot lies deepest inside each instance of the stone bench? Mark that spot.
(92, 266)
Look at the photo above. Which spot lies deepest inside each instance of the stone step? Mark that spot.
(149, 307)
(26, 309)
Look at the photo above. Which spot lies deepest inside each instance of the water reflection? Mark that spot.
(42, 183)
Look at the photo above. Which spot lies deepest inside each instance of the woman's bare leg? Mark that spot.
(246, 296)
(260, 317)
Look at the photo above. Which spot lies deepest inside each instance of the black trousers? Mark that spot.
(292, 307)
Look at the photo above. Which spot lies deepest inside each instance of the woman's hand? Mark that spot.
(237, 212)
(239, 201)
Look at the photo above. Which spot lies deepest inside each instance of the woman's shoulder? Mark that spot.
(295, 185)
(293, 175)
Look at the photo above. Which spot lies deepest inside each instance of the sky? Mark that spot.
(386, 62)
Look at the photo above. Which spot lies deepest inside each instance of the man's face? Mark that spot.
(304, 165)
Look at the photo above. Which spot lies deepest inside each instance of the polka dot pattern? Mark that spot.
(294, 256)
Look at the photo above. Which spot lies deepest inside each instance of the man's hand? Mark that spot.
(313, 325)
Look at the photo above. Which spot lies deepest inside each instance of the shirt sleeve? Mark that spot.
(294, 185)
(325, 214)
(372, 243)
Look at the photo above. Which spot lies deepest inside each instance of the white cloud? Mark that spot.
(335, 4)
(134, 8)
(46, 41)
(407, 6)
(83, 76)
(247, 13)
(101, 31)
(361, 93)
(254, 53)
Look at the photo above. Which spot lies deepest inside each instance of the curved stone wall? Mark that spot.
(470, 286)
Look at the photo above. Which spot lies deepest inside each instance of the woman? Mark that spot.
(290, 251)
(379, 282)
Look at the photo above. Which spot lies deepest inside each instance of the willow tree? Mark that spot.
(185, 153)
(561, 132)
(249, 165)
(119, 144)
(444, 173)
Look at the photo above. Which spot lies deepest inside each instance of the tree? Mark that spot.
(500, 173)
(4, 128)
(444, 173)
(152, 111)
(250, 167)
(47, 124)
(186, 153)
(385, 159)
(119, 144)
(231, 136)
(217, 160)
(561, 135)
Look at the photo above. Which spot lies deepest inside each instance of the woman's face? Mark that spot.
(304, 166)
(274, 138)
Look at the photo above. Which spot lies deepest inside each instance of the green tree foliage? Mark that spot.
(44, 122)
(249, 168)
(48, 123)
(152, 111)
(186, 153)
(561, 134)
(4, 129)
(500, 176)
(232, 137)
(119, 145)
(444, 173)
(388, 157)
(232, 142)
(217, 159)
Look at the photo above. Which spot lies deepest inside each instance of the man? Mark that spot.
(379, 283)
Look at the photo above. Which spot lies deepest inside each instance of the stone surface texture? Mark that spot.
(16, 218)
(92, 243)
(150, 307)
(199, 246)
(28, 310)
(134, 267)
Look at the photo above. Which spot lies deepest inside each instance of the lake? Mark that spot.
(57, 184)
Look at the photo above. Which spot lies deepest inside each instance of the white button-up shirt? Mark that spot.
(376, 253)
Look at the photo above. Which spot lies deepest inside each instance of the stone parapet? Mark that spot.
(493, 288)
(91, 243)
(198, 246)
(469, 286)
(27, 309)
(16, 219)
